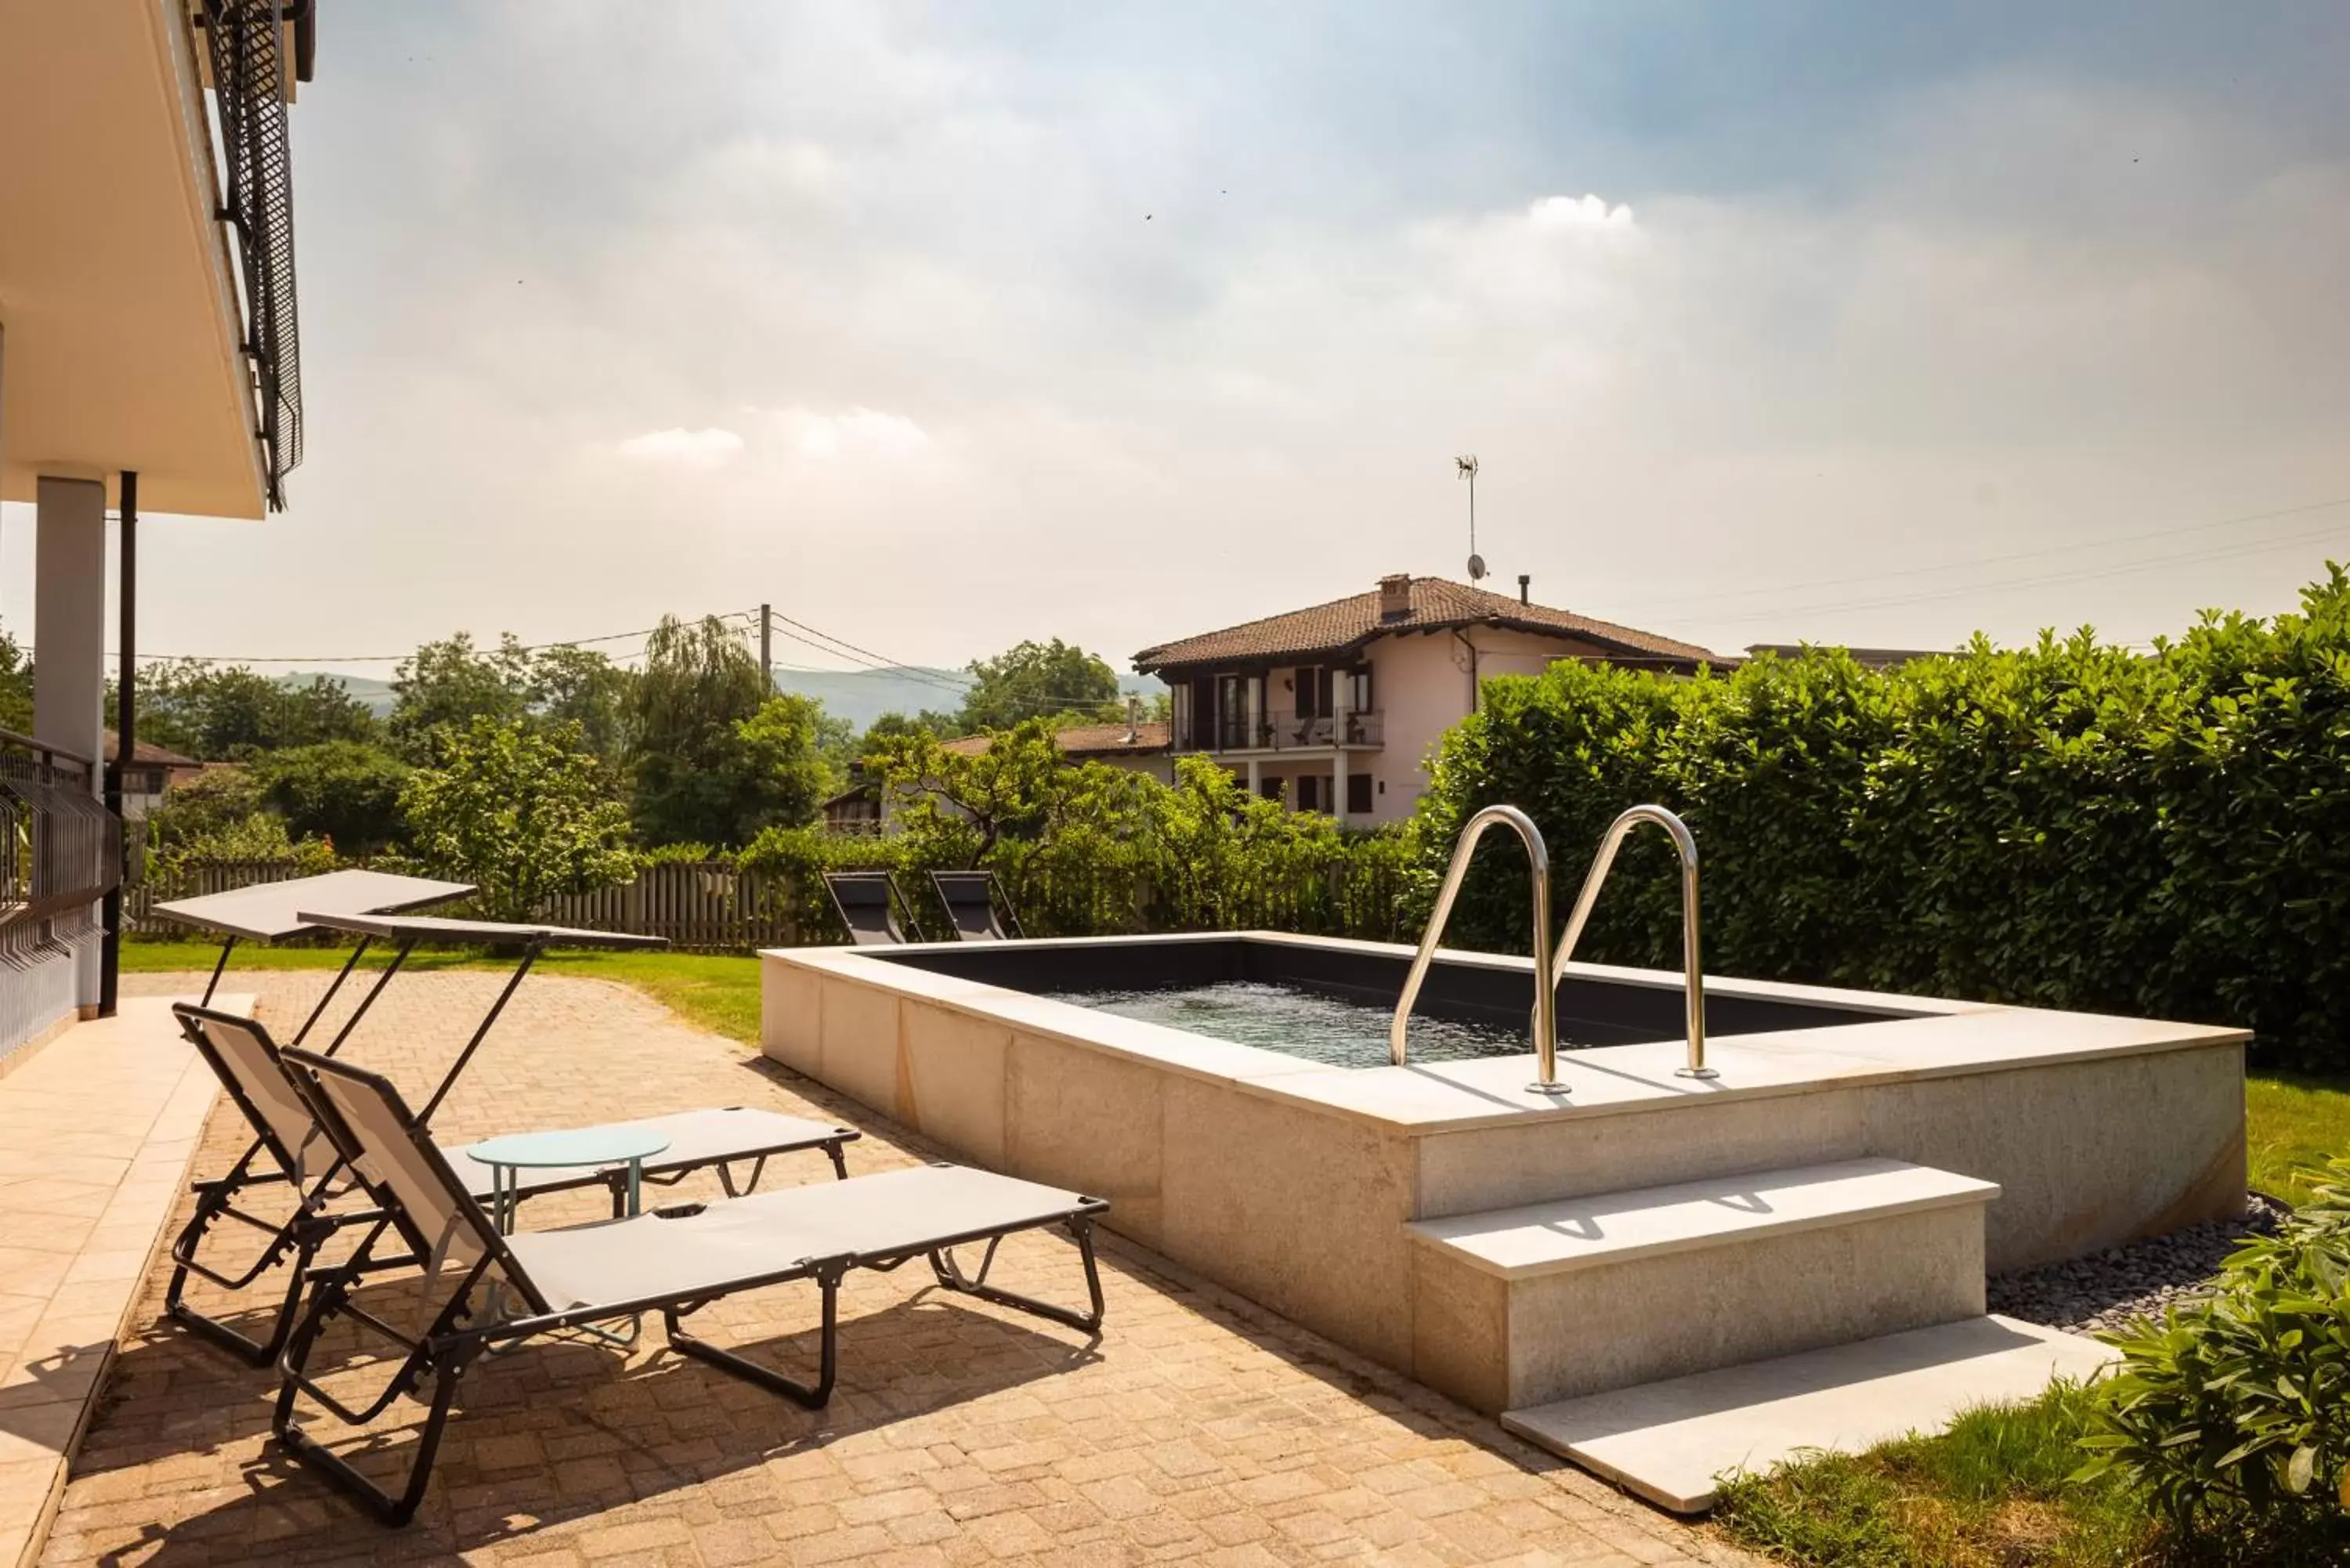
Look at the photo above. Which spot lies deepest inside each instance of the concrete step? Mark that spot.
(1523, 1306)
(1668, 1441)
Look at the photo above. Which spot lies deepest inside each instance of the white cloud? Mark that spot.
(857, 431)
(1568, 213)
(681, 448)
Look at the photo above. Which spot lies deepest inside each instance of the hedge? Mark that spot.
(2070, 825)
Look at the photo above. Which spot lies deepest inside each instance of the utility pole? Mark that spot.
(767, 653)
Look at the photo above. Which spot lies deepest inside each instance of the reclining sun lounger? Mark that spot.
(868, 904)
(508, 1289)
(290, 1147)
(971, 898)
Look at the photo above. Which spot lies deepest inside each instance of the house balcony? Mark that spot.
(1278, 732)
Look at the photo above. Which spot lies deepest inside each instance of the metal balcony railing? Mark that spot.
(1278, 732)
(60, 850)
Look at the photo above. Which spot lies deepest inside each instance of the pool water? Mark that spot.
(1321, 1028)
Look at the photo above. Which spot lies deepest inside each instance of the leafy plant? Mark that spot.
(2069, 823)
(518, 811)
(2230, 1414)
(345, 791)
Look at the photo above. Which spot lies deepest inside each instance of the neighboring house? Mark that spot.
(1335, 707)
(854, 810)
(1139, 746)
(148, 360)
(1867, 657)
(151, 770)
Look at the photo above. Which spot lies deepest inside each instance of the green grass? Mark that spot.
(1989, 1493)
(719, 993)
(2292, 1125)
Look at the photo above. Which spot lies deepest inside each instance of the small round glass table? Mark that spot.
(597, 1148)
(590, 1147)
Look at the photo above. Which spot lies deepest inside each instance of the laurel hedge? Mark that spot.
(2070, 825)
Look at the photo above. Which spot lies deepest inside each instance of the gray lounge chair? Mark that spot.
(973, 900)
(867, 903)
(291, 1149)
(509, 1289)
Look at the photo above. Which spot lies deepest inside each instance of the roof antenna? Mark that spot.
(1467, 465)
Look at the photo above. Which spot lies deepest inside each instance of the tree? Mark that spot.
(345, 791)
(451, 682)
(203, 807)
(778, 771)
(518, 811)
(579, 686)
(1037, 680)
(956, 807)
(16, 686)
(234, 714)
(700, 684)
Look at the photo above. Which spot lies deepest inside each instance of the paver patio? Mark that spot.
(1197, 1428)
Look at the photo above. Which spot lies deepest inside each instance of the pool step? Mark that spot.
(1668, 1440)
(1524, 1306)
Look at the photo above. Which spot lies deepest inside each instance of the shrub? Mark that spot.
(346, 791)
(2066, 824)
(517, 811)
(2228, 1414)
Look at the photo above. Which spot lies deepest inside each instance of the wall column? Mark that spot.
(1255, 776)
(69, 639)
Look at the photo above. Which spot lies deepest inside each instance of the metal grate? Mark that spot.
(249, 82)
(60, 850)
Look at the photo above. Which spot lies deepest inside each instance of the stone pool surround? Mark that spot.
(1293, 1183)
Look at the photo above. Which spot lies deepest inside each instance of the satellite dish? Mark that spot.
(1476, 568)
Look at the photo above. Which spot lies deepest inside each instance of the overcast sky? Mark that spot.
(944, 326)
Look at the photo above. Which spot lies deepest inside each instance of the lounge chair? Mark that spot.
(290, 1148)
(867, 903)
(509, 1289)
(971, 900)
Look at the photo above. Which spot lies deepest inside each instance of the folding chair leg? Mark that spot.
(442, 1353)
(392, 1509)
(303, 1239)
(1081, 1231)
(812, 1396)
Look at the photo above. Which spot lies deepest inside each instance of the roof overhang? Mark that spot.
(120, 336)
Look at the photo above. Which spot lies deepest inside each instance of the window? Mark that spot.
(1358, 793)
(1313, 690)
(1358, 690)
(1311, 788)
(1270, 787)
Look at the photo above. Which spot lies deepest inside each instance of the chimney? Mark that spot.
(1133, 718)
(1525, 588)
(1395, 596)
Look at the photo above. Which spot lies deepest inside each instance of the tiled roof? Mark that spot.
(151, 754)
(1087, 741)
(1436, 603)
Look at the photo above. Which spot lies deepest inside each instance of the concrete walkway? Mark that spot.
(96, 1131)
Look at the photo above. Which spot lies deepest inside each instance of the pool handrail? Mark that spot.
(1545, 996)
(1692, 973)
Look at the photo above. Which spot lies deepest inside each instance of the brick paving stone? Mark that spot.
(1199, 1430)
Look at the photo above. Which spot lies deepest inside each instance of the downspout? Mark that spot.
(126, 735)
(1476, 693)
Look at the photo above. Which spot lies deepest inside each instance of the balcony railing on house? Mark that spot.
(1278, 732)
(60, 850)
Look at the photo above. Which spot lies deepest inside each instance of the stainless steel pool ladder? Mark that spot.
(1545, 996)
(1692, 971)
(1545, 1018)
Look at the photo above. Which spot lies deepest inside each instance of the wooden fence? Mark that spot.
(715, 906)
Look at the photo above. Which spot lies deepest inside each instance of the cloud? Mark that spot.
(852, 432)
(1566, 214)
(681, 448)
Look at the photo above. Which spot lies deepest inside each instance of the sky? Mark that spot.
(940, 327)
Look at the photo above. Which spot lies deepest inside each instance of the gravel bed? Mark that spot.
(2107, 1289)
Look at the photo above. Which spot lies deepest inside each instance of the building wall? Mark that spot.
(1425, 684)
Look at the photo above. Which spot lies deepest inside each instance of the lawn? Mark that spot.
(721, 993)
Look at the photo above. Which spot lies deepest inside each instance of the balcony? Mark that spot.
(60, 851)
(1279, 732)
